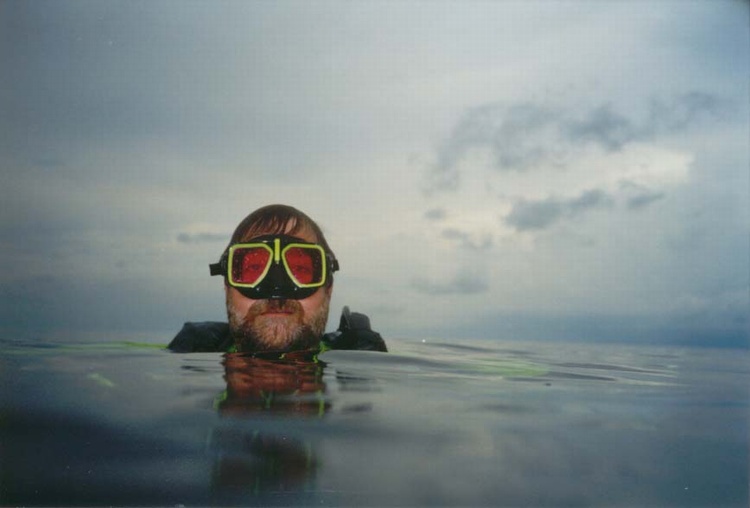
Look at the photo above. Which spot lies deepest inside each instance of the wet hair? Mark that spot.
(274, 220)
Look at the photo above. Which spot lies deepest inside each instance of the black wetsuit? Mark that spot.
(212, 336)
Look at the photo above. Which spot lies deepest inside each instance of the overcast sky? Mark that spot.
(514, 170)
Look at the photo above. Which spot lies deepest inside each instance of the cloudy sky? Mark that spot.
(516, 170)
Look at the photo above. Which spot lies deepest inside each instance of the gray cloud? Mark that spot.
(524, 136)
(527, 215)
(130, 304)
(202, 237)
(678, 113)
(435, 214)
(466, 240)
(463, 283)
(193, 83)
(644, 199)
(530, 215)
(511, 134)
(685, 330)
(611, 130)
(638, 197)
(595, 198)
(604, 127)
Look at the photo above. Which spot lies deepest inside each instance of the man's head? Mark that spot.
(270, 316)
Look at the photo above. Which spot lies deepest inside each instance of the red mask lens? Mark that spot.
(250, 264)
(305, 265)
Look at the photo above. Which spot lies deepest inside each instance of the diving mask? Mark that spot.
(276, 267)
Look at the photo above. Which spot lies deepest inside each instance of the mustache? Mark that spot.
(263, 306)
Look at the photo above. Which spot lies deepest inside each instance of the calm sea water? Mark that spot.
(428, 424)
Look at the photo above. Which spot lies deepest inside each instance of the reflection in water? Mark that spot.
(249, 462)
(292, 385)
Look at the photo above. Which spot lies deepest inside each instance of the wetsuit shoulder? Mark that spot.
(354, 333)
(203, 337)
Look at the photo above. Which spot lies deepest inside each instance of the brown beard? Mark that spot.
(291, 332)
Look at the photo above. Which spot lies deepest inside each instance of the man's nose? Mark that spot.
(276, 281)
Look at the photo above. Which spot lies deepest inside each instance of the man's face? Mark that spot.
(272, 325)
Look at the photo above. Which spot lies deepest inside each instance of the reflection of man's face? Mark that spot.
(293, 385)
(272, 325)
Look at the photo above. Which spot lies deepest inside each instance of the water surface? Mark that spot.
(433, 423)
